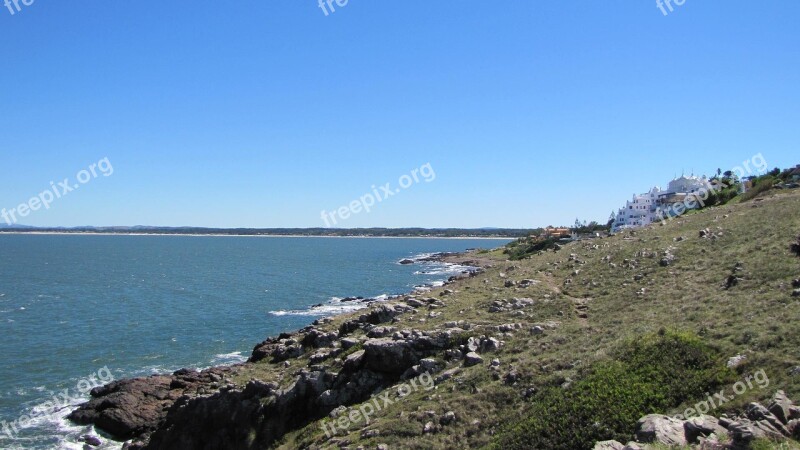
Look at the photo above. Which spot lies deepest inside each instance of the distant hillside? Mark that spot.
(349, 232)
(5, 226)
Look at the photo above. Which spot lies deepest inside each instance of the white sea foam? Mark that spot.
(54, 430)
(435, 267)
(418, 257)
(223, 359)
(442, 269)
(334, 306)
(338, 305)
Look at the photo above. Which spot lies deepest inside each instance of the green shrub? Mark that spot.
(680, 362)
(760, 185)
(526, 247)
(650, 375)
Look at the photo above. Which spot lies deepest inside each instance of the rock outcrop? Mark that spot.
(136, 407)
(661, 429)
(779, 421)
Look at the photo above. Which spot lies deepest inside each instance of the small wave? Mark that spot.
(54, 430)
(442, 269)
(333, 307)
(154, 369)
(428, 286)
(432, 265)
(228, 358)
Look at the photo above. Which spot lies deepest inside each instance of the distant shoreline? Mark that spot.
(89, 233)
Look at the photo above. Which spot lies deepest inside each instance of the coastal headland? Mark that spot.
(710, 299)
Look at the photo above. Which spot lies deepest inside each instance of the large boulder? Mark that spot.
(354, 360)
(781, 407)
(472, 359)
(384, 313)
(657, 428)
(279, 349)
(317, 338)
(438, 340)
(388, 355)
(701, 426)
(742, 434)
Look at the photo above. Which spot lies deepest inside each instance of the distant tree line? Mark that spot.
(334, 232)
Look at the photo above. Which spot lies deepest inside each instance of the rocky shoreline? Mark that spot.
(209, 409)
(472, 328)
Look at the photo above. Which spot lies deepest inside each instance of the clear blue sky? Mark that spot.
(264, 113)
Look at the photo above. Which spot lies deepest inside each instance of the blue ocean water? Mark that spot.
(72, 306)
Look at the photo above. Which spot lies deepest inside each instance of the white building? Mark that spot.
(657, 204)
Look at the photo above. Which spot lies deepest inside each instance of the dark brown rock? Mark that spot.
(138, 406)
(128, 408)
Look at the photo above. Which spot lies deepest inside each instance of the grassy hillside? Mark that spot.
(725, 291)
